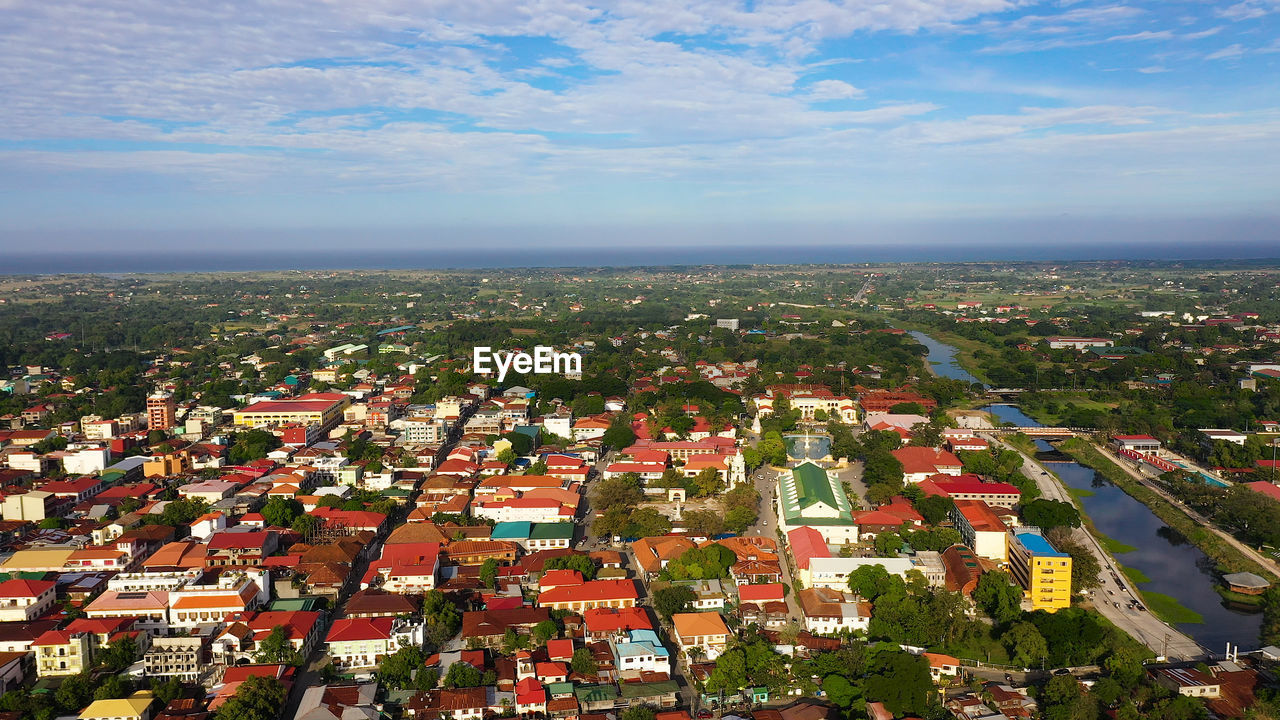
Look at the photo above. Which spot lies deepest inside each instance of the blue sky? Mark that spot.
(162, 118)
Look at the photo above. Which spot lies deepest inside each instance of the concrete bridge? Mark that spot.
(1045, 432)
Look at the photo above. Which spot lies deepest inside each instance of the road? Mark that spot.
(1266, 562)
(766, 482)
(1116, 589)
(309, 673)
(866, 288)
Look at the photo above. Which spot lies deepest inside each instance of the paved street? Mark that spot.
(766, 480)
(1111, 599)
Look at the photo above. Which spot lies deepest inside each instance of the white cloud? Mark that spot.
(834, 90)
(1230, 52)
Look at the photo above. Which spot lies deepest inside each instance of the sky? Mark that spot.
(155, 124)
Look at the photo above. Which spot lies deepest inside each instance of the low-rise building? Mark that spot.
(981, 529)
(700, 635)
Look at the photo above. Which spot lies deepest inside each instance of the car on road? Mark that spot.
(705, 715)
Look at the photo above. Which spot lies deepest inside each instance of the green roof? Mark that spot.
(805, 487)
(291, 604)
(560, 688)
(813, 485)
(631, 691)
(595, 693)
(551, 531)
(511, 530)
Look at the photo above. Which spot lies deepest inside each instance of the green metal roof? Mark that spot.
(511, 530)
(290, 604)
(551, 531)
(807, 486)
(595, 693)
(638, 690)
(813, 485)
(560, 688)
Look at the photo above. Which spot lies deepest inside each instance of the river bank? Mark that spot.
(1176, 580)
(1228, 558)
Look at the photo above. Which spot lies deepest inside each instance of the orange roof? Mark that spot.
(202, 602)
(703, 623)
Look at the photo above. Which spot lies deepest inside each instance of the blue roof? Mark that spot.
(1037, 544)
(511, 531)
(402, 328)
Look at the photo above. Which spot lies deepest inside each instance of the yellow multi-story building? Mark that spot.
(1043, 573)
(323, 409)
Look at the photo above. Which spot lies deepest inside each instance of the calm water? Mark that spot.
(943, 359)
(807, 447)
(1176, 567)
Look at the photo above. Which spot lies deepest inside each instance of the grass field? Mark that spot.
(1135, 575)
(1115, 547)
(1169, 609)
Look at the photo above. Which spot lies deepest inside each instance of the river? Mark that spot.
(1173, 565)
(942, 358)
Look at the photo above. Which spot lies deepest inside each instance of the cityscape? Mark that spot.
(664, 360)
(971, 491)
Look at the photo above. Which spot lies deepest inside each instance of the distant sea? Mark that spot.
(132, 261)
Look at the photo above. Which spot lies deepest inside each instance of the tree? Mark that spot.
(168, 691)
(507, 456)
(275, 648)
(252, 445)
(619, 435)
(707, 482)
(907, 408)
(583, 663)
(671, 600)
(462, 675)
(638, 712)
(1025, 644)
(397, 670)
(934, 508)
(1049, 514)
(621, 491)
(612, 521)
(707, 523)
(281, 512)
(53, 523)
(118, 655)
(74, 693)
(739, 519)
(581, 563)
(843, 693)
(900, 681)
(647, 522)
(306, 525)
(1085, 567)
(880, 493)
(871, 581)
(258, 698)
(998, 596)
(521, 444)
(442, 618)
(113, 686)
(489, 573)
(544, 631)
(887, 544)
(772, 449)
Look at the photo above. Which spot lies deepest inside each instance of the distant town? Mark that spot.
(972, 491)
